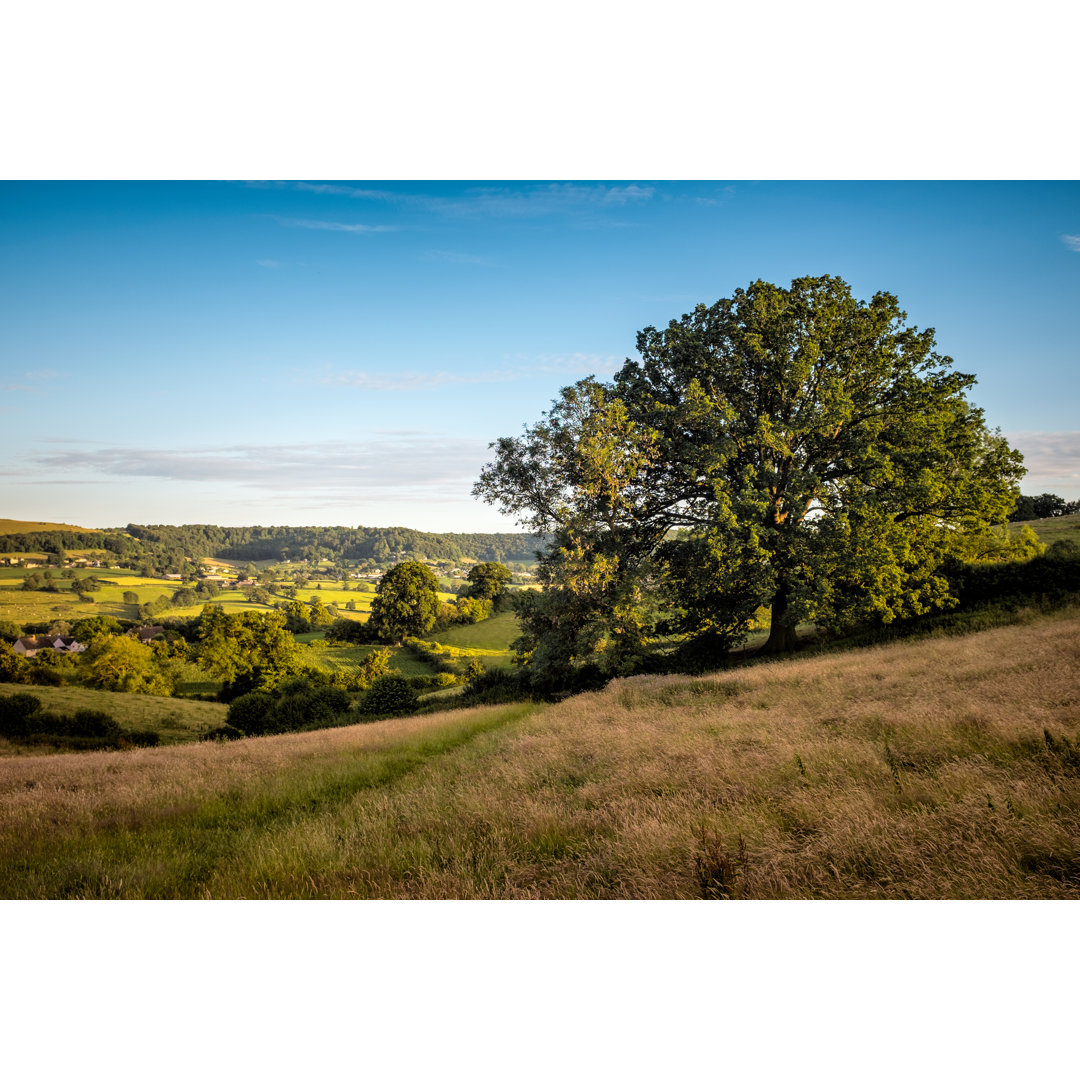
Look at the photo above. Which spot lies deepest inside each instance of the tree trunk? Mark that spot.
(782, 636)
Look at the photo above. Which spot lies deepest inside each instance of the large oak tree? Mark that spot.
(795, 448)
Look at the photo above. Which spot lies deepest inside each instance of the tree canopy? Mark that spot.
(792, 448)
(250, 650)
(488, 581)
(406, 602)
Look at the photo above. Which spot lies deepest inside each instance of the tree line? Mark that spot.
(166, 548)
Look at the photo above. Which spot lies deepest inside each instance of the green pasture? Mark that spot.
(174, 719)
(495, 634)
(349, 657)
(21, 607)
(1050, 529)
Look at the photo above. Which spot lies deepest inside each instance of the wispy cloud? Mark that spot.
(1052, 458)
(568, 363)
(32, 378)
(1071, 242)
(455, 257)
(721, 198)
(530, 201)
(414, 462)
(335, 226)
(270, 264)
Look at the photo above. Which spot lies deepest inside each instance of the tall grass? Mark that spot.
(941, 768)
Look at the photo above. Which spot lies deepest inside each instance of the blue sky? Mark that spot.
(343, 352)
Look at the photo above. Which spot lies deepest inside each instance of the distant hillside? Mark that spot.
(10, 525)
(166, 547)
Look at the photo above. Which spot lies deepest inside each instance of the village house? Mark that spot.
(31, 646)
(146, 634)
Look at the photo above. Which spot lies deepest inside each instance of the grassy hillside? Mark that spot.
(174, 719)
(944, 768)
(10, 527)
(1050, 529)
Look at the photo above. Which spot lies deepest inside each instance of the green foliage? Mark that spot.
(299, 704)
(1066, 549)
(471, 609)
(9, 632)
(1048, 577)
(1046, 505)
(347, 630)
(373, 666)
(126, 665)
(405, 603)
(822, 455)
(389, 694)
(251, 650)
(998, 545)
(319, 616)
(85, 630)
(488, 581)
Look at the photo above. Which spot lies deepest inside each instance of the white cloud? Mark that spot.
(335, 226)
(270, 264)
(408, 463)
(1052, 459)
(569, 363)
(1071, 242)
(537, 200)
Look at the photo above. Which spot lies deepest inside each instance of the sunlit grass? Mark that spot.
(942, 768)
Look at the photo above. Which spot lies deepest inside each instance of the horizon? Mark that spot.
(311, 351)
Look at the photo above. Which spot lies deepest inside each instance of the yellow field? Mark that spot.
(22, 607)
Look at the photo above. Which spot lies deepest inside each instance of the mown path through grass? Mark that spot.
(141, 847)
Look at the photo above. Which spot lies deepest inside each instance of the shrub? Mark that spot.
(251, 713)
(498, 686)
(17, 713)
(1064, 549)
(92, 723)
(225, 732)
(389, 693)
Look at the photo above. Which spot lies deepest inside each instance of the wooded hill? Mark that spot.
(168, 544)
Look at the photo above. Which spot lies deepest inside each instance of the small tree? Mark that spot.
(406, 602)
(488, 581)
(389, 693)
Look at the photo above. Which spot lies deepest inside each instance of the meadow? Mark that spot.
(176, 720)
(940, 768)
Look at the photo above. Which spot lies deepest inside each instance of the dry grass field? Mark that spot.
(943, 768)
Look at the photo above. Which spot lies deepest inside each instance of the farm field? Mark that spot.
(942, 768)
(30, 606)
(488, 641)
(348, 657)
(22, 606)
